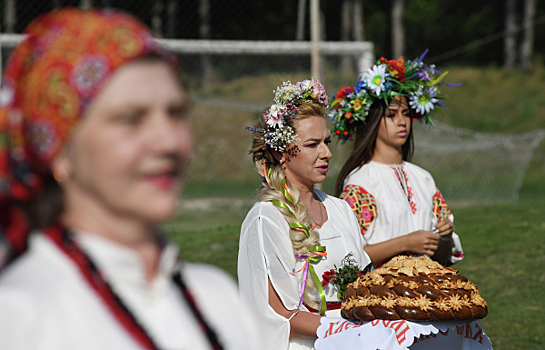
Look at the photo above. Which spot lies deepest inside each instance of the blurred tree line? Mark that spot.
(477, 28)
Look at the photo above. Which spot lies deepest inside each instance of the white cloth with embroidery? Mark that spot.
(265, 252)
(340, 334)
(46, 304)
(403, 195)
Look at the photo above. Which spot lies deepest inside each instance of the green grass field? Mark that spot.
(504, 244)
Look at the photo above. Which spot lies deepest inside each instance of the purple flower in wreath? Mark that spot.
(424, 75)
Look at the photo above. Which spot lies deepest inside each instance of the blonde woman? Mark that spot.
(294, 233)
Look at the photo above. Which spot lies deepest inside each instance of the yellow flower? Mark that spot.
(357, 104)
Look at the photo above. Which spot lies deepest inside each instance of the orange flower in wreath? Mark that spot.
(397, 69)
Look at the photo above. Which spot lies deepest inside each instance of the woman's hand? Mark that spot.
(422, 242)
(445, 228)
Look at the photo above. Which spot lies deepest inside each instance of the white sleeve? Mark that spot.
(265, 252)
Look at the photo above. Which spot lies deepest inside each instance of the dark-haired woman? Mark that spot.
(95, 144)
(399, 208)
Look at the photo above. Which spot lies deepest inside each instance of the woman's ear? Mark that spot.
(61, 166)
(280, 158)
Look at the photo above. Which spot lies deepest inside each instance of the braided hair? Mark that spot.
(275, 187)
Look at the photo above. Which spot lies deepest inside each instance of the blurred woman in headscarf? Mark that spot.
(94, 145)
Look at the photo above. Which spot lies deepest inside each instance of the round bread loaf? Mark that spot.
(413, 288)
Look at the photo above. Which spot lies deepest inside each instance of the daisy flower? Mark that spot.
(374, 78)
(423, 100)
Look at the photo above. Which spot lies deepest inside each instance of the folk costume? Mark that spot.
(266, 250)
(392, 200)
(74, 290)
(266, 253)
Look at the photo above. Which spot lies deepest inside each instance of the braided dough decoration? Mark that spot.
(413, 288)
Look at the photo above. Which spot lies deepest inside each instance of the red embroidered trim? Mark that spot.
(92, 275)
(409, 190)
(362, 203)
(440, 208)
(97, 282)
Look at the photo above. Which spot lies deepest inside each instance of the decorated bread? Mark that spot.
(413, 288)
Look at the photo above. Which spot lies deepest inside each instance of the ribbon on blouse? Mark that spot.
(320, 251)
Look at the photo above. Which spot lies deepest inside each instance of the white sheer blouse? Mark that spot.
(265, 252)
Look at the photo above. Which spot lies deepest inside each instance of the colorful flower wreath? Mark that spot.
(277, 134)
(415, 80)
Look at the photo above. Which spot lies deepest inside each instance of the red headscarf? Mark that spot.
(50, 79)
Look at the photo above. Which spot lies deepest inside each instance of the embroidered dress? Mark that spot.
(48, 305)
(394, 200)
(266, 252)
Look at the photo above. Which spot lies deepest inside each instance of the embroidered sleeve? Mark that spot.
(362, 203)
(440, 208)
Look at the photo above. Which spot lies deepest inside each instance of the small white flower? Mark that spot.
(304, 85)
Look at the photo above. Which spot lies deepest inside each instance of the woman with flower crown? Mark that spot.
(397, 204)
(294, 233)
(95, 144)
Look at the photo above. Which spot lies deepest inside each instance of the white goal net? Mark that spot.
(474, 167)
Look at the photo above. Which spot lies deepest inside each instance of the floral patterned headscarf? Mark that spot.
(50, 79)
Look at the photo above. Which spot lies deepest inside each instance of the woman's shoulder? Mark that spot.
(263, 210)
(200, 275)
(417, 170)
(216, 294)
(368, 176)
(263, 213)
(39, 268)
(421, 174)
(39, 281)
(331, 201)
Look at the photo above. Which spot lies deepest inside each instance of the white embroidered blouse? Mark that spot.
(394, 200)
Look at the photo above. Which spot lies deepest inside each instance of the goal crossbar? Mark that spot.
(362, 51)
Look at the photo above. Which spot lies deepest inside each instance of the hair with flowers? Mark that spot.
(415, 80)
(274, 132)
(277, 133)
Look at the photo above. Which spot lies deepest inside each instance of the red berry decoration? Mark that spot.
(337, 132)
(345, 133)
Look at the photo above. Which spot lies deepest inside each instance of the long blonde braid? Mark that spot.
(272, 189)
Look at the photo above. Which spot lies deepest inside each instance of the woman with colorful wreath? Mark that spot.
(294, 233)
(95, 145)
(397, 204)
